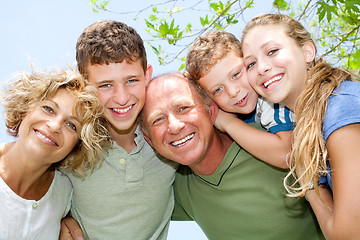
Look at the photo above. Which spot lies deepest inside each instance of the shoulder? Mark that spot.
(343, 107)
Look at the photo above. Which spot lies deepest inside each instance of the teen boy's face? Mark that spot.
(228, 86)
(122, 91)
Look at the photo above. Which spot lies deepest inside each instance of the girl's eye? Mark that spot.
(273, 52)
(71, 125)
(250, 65)
(48, 109)
(217, 90)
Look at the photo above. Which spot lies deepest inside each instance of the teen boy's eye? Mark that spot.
(132, 81)
(157, 120)
(106, 85)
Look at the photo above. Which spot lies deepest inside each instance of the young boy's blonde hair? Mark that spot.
(23, 94)
(208, 50)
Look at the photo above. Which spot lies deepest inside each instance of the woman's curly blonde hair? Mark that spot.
(29, 89)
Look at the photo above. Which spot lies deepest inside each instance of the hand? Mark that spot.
(70, 230)
(222, 119)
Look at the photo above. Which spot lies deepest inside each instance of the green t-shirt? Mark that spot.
(243, 199)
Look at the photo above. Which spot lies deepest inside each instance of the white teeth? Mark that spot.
(45, 138)
(122, 110)
(277, 78)
(182, 141)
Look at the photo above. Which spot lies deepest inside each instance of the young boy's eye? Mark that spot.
(217, 90)
(271, 52)
(157, 120)
(236, 75)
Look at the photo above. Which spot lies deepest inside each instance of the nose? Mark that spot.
(121, 95)
(54, 124)
(263, 66)
(233, 91)
(175, 124)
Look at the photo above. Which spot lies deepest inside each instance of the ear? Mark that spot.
(214, 110)
(309, 51)
(146, 137)
(148, 73)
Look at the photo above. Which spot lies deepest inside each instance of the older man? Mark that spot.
(228, 192)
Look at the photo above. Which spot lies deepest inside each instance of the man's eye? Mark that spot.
(157, 120)
(272, 52)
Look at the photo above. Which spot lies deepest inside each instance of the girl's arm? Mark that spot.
(339, 218)
(269, 147)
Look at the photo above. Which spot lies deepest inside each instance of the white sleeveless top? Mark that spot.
(30, 219)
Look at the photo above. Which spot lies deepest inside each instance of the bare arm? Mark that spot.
(340, 217)
(269, 147)
(70, 230)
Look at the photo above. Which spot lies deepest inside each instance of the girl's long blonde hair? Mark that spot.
(309, 153)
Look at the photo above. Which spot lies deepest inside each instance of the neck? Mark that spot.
(22, 174)
(124, 138)
(213, 158)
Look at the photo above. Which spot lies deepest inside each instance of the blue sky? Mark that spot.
(44, 33)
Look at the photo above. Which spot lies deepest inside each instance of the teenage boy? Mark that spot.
(130, 195)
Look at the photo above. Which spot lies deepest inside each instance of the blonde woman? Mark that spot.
(56, 118)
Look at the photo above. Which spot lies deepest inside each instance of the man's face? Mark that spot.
(122, 92)
(177, 123)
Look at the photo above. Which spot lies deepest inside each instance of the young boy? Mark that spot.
(215, 62)
(130, 195)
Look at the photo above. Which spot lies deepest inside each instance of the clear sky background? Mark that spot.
(44, 33)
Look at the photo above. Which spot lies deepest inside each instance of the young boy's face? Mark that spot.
(121, 91)
(227, 84)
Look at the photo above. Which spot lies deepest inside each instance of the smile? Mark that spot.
(42, 136)
(239, 102)
(272, 81)
(123, 110)
(182, 141)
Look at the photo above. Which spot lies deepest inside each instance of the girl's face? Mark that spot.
(50, 131)
(276, 65)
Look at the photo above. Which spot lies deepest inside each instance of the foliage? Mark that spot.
(335, 24)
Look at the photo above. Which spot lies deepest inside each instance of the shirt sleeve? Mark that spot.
(343, 107)
(274, 117)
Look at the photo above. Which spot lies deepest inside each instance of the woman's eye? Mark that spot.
(71, 125)
(48, 109)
